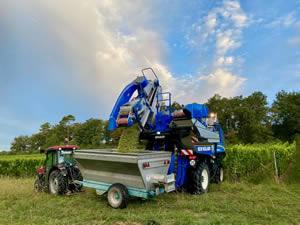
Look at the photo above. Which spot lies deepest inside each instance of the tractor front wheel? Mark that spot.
(57, 183)
(200, 179)
(118, 196)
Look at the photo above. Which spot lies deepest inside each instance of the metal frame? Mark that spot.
(149, 69)
(102, 188)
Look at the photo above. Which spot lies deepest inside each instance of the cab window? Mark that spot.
(49, 159)
(54, 158)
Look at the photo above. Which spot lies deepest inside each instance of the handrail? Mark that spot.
(149, 68)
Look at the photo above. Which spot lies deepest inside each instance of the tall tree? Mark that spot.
(21, 143)
(64, 127)
(244, 120)
(253, 120)
(106, 133)
(286, 115)
(89, 133)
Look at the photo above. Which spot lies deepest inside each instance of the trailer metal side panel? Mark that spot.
(110, 166)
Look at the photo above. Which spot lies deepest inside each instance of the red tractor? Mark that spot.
(59, 172)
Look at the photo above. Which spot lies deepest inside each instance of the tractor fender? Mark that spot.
(63, 171)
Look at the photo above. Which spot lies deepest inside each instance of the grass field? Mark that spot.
(29, 156)
(241, 203)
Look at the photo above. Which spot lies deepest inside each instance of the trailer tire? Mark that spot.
(57, 183)
(220, 175)
(117, 196)
(200, 179)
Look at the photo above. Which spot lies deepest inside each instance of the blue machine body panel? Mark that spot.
(182, 168)
(124, 98)
(197, 110)
(163, 119)
(205, 149)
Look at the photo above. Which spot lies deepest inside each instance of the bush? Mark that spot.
(244, 160)
(240, 161)
(20, 165)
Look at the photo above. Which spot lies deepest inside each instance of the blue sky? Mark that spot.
(75, 57)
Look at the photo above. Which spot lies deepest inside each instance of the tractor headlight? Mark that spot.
(192, 162)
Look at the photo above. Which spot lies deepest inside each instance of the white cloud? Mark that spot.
(104, 44)
(108, 42)
(223, 27)
(284, 21)
(233, 11)
(200, 88)
(225, 31)
(224, 61)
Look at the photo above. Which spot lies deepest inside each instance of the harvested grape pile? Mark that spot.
(129, 141)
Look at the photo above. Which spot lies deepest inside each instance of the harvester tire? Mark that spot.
(118, 196)
(200, 179)
(57, 183)
(37, 185)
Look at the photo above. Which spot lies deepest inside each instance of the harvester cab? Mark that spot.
(59, 172)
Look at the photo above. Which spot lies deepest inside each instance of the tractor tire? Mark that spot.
(37, 185)
(57, 183)
(199, 179)
(118, 196)
(76, 176)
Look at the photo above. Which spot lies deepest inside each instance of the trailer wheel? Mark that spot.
(200, 179)
(118, 196)
(219, 177)
(57, 183)
(37, 185)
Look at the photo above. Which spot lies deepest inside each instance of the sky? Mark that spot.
(76, 56)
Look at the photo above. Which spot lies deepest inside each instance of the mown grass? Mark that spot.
(241, 203)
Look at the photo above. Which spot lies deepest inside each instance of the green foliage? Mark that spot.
(89, 133)
(240, 161)
(244, 160)
(20, 143)
(175, 106)
(20, 165)
(246, 118)
(286, 115)
(129, 140)
(292, 175)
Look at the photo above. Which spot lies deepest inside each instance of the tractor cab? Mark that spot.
(59, 156)
(59, 172)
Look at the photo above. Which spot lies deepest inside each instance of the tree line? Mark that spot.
(244, 120)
